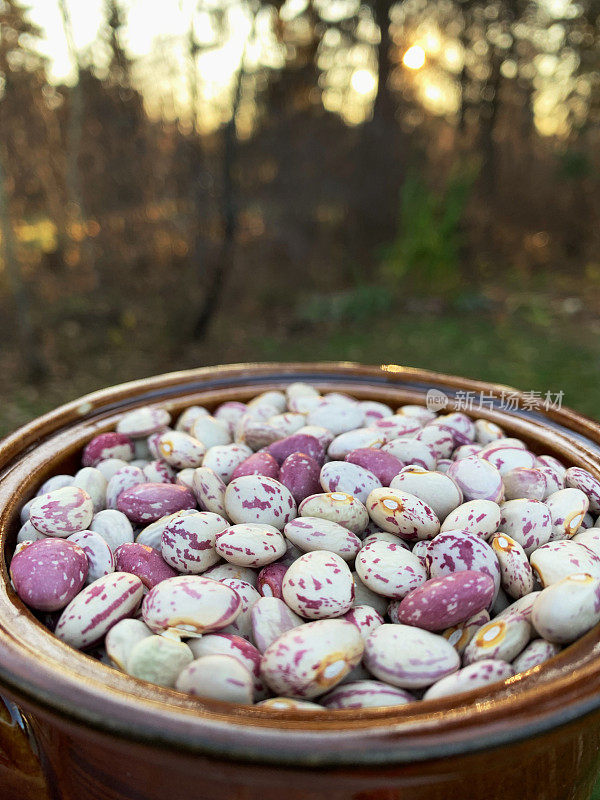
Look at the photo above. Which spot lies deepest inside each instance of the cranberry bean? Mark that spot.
(143, 561)
(402, 513)
(270, 580)
(318, 585)
(258, 464)
(384, 466)
(188, 541)
(48, 574)
(476, 675)
(148, 502)
(269, 619)
(298, 443)
(366, 694)
(300, 473)
(314, 533)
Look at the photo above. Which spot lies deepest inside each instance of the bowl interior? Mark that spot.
(42, 672)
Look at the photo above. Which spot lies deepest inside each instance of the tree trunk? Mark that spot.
(31, 353)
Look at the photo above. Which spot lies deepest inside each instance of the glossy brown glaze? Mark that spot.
(104, 734)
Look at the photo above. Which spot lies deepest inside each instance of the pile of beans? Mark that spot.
(313, 551)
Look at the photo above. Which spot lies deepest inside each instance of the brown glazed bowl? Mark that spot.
(83, 730)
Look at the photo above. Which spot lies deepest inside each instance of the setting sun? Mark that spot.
(414, 58)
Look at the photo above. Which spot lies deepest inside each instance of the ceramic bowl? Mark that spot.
(75, 728)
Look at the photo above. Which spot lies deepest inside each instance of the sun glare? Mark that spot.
(414, 58)
(363, 81)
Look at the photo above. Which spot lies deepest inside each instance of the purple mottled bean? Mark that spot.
(257, 464)
(143, 561)
(270, 580)
(297, 443)
(148, 502)
(107, 445)
(47, 574)
(384, 466)
(300, 473)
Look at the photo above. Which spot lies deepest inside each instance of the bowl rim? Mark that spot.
(51, 679)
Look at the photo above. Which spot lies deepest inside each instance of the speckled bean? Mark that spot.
(402, 513)
(125, 478)
(350, 478)
(300, 473)
(113, 526)
(224, 571)
(230, 413)
(500, 639)
(107, 445)
(374, 410)
(112, 465)
(209, 490)
(537, 652)
(409, 657)
(62, 512)
(397, 426)
(250, 544)
(148, 502)
(440, 438)
(526, 521)
(365, 618)
(486, 431)
(363, 596)
(48, 574)
(309, 660)
(517, 575)
(411, 451)
(383, 465)
(190, 605)
(353, 440)
(93, 612)
(210, 431)
(257, 499)
(217, 677)
(366, 694)
(481, 517)
(158, 471)
(389, 569)
(101, 560)
(223, 459)
(340, 507)
(567, 508)
(143, 421)
(298, 443)
(228, 644)
(524, 483)
(441, 602)
(474, 676)
(505, 459)
(249, 596)
(313, 533)
(269, 619)
(336, 416)
(258, 464)
(187, 418)
(143, 561)
(457, 551)
(569, 608)
(318, 585)
(477, 479)
(556, 560)
(92, 481)
(437, 490)
(459, 636)
(188, 541)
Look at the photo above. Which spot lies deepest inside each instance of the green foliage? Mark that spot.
(358, 304)
(427, 250)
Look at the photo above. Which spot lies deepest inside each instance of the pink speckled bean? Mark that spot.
(256, 499)
(143, 561)
(353, 440)
(486, 431)
(113, 527)
(383, 465)
(224, 571)
(437, 490)
(125, 478)
(148, 502)
(440, 438)
(500, 639)
(409, 657)
(210, 431)
(270, 580)
(158, 471)
(366, 694)
(300, 473)
(62, 512)
(524, 483)
(340, 507)
(374, 410)
(477, 479)
(269, 619)
(107, 445)
(250, 544)
(482, 673)
(567, 509)
(556, 560)
(223, 459)
(144, 421)
(230, 413)
(517, 575)
(402, 513)
(190, 605)
(566, 610)
(318, 585)
(209, 490)
(457, 551)
(505, 459)
(47, 574)
(298, 443)
(180, 450)
(242, 624)
(228, 644)
(481, 517)
(397, 426)
(101, 560)
(365, 618)
(258, 464)
(537, 652)
(188, 541)
(314, 533)
(187, 418)
(309, 660)
(93, 612)
(350, 478)
(412, 451)
(217, 677)
(526, 521)
(441, 602)
(389, 569)
(459, 636)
